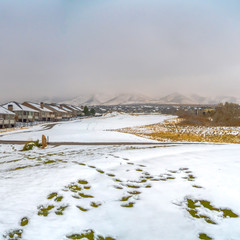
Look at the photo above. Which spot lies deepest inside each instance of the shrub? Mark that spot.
(29, 145)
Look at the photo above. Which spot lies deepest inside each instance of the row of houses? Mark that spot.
(13, 112)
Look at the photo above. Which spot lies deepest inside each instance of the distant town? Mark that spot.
(14, 114)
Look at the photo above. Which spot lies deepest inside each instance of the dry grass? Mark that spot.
(172, 131)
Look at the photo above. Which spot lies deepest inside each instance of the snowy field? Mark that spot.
(87, 130)
(160, 192)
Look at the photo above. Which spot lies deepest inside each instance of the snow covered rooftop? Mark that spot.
(63, 108)
(72, 107)
(77, 108)
(69, 107)
(19, 107)
(5, 111)
(66, 109)
(56, 108)
(38, 106)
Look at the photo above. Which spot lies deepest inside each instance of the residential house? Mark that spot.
(7, 118)
(58, 112)
(68, 113)
(45, 114)
(73, 110)
(23, 113)
(79, 110)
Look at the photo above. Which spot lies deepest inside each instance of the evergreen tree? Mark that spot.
(92, 112)
(86, 111)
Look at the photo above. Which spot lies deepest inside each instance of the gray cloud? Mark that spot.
(65, 48)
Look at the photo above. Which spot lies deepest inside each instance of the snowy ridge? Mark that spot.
(135, 98)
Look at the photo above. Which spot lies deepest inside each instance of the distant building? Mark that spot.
(70, 108)
(45, 114)
(58, 112)
(68, 113)
(77, 111)
(7, 118)
(23, 113)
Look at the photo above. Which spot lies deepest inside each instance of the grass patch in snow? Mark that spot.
(55, 196)
(117, 180)
(44, 211)
(89, 235)
(52, 195)
(110, 175)
(83, 195)
(49, 162)
(134, 192)
(117, 187)
(95, 204)
(125, 198)
(74, 188)
(204, 236)
(24, 221)
(61, 209)
(82, 209)
(23, 167)
(14, 234)
(132, 186)
(58, 199)
(83, 182)
(196, 207)
(128, 205)
(129, 163)
(196, 186)
(91, 166)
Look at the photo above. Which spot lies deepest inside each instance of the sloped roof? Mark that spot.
(78, 108)
(75, 108)
(71, 108)
(5, 111)
(66, 109)
(63, 108)
(19, 107)
(56, 108)
(38, 106)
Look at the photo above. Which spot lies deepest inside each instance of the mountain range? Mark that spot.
(136, 98)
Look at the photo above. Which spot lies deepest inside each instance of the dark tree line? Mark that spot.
(227, 114)
(224, 114)
(88, 112)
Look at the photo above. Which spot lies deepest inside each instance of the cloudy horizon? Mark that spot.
(63, 48)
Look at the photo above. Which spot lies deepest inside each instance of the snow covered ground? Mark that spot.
(162, 192)
(87, 130)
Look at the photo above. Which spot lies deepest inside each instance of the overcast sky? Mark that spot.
(68, 47)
